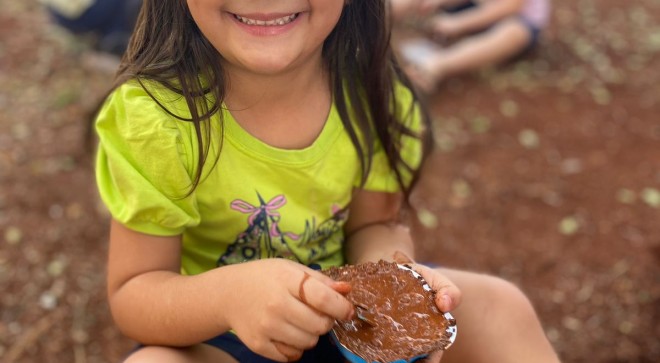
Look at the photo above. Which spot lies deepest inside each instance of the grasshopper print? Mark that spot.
(263, 237)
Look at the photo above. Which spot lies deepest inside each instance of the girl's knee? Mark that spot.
(506, 299)
(489, 297)
(153, 354)
(156, 354)
(199, 353)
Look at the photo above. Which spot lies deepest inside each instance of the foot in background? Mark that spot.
(422, 62)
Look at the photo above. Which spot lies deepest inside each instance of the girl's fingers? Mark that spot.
(309, 319)
(341, 287)
(447, 296)
(401, 258)
(298, 336)
(290, 353)
(313, 304)
(306, 324)
(324, 295)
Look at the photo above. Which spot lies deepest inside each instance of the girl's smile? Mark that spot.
(266, 24)
(255, 20)
(267, 37)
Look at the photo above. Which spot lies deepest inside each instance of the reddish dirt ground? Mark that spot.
(547, 172)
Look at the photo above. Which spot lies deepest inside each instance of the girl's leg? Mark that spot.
(402, 8)
(197, 354)
(496, 323)
(490, 47)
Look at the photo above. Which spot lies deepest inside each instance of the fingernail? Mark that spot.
(342, 287)
(446, 302)
(351, 314)
(400, 257)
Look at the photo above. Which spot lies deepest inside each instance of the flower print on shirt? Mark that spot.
(263, 237)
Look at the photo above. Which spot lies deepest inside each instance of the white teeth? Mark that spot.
(279, 21)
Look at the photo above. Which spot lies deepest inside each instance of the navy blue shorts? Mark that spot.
(324, 352)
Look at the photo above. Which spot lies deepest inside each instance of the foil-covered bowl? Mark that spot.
(367, 323)
(354, 358)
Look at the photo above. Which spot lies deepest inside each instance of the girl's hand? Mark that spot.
(280, 307)
(447, 296)
(444, 27)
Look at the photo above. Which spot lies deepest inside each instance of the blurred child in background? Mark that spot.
(109, 22)
(467, 35)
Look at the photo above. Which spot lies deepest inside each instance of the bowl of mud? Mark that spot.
(397, 320)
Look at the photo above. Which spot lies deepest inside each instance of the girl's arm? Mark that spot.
(150, 301)
(404, 8)
(373, 231)
(485, 14)
(261, 301)
(374, 234)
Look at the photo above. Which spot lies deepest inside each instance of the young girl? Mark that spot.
(249, 144)
(477, 33)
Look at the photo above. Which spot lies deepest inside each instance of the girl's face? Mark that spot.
(266, 36)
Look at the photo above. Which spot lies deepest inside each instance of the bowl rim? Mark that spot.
(452, 328)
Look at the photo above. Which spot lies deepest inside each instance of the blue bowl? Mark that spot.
(451, 330)
(354, 358)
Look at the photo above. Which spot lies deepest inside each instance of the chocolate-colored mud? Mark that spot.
(404, 321)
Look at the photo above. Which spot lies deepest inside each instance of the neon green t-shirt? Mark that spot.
(256, 202)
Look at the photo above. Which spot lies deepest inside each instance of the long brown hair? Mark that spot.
(167, 47)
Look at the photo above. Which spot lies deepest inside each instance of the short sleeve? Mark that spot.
(381, 176)
(143, 163)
